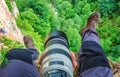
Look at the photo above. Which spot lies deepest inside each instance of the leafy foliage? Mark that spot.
(106, 6)
(74, 39)
(9, 5)
(27, 29)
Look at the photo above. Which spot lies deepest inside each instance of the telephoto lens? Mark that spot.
(56, 60)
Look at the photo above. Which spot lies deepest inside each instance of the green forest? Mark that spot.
(38, 17)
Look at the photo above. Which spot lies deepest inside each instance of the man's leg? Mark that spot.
(21, 61)
(93, 61)
(27, 55)
(29, 44)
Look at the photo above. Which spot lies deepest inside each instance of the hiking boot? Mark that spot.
(91, 22)
(28, 42)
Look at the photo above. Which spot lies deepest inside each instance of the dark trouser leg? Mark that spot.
(35, 53)
(26, 55)
(93, 61)
(20, 64)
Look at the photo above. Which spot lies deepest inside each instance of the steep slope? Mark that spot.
(9, 24)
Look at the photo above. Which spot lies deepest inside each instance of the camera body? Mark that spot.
(56, 61)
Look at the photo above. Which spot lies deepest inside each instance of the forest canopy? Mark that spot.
(38, 17)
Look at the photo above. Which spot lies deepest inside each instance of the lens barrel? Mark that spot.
(56, 61)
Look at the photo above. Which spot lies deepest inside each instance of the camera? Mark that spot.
(56, 60)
